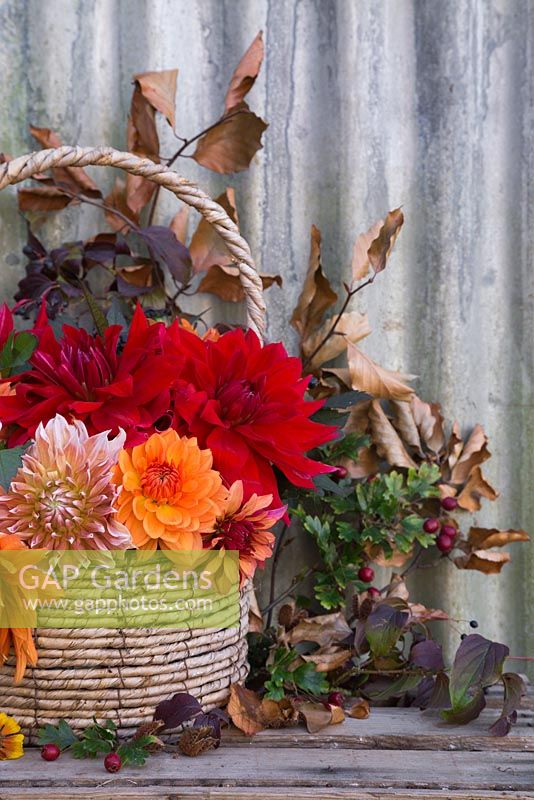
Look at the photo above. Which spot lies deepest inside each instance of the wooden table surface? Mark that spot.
(395, 754)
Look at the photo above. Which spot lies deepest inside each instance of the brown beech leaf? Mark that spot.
(338, 715)
(179, 224)
(405, 424)
(475, 488)
(244, 708)
(207, 248)
(420, 613)
(226, 283)
(42, 199)
(317, 295)
(325, 629)
(117, 200)
(454, 445)
(75, 179)
(398, 588)
(255, 618)
(327, 659)
(159, 90)
(474, 453)
(394, 559)
(487, 561)
(316, 715)
(138, 275)
(359, 709)
(371, 249)
(386, 439)
(352, 327)
(245, 73)
(367, 376)
(493, 537)
(231, 145)
(429, 421)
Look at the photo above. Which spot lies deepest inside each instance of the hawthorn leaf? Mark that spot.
(316, 296)
(231, 145)
(367, 376)
(514, 689)
(61, 735)
(245, 73)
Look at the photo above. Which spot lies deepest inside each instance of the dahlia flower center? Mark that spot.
(239, 402)
(60, 507)
(236, 536)
(161, 481)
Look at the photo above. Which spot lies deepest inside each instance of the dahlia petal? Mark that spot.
(153, 527)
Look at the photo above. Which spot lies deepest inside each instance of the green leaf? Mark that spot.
(309, 680)
(62, 735)
(10, 461)
(135, 752)
(345, 400)
(383, 689)
(384, 627)
(96, 740)
(24, 345)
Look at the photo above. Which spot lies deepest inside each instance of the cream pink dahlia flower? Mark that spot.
(62, 497)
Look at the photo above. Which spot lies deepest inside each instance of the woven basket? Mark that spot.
(123, 674)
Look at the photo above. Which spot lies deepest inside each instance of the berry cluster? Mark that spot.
(112, 762)
(447, 531)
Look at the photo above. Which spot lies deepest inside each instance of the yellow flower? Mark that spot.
(11, 739)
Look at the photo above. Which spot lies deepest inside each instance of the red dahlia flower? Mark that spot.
(86, 377)
(246, 404)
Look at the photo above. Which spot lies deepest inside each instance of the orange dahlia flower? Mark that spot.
(169, 493)
(11, 739)
(245, 527)
(21, 639)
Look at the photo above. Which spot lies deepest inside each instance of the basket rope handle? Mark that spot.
(25, 166)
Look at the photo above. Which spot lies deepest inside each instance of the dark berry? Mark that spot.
(444, 543)
(336, 699)
(372, 591)
(113, 762)
(449, 530)
(366, 574)
(341, 471)
(50, 752)
(474, 623)
(449, 503)
(463, 636)
(431, 525)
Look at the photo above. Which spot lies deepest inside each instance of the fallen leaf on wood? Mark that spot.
(371, 249)
(386, 439)
(245, 73)
(231, 145)
(279, 713)
(244, 708)
(358, 709)
(316, 715)
(338, 715)
(367, 376)
(475, 488)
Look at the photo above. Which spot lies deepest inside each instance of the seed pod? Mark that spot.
(365, 608)
(195, 741)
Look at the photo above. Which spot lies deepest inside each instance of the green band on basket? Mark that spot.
(119, 589)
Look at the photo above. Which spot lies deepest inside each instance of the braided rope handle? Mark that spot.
(24, 167)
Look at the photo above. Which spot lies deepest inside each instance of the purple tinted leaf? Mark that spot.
(478, 663)
(514, 689)
(469, 710)
(130, 289)
(181, 708)
(428, 655)
(214, 719)
(163, 243)
(440, 696)
(383, 628)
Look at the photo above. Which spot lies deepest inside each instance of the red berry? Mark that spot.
(431, 525)
(444, 543)
(449, 530)
(112, 762)
(372, 591)
(336, 699)
(341, 471)
(366, 574)
(449, 503)
(372, 478)
(50, 752)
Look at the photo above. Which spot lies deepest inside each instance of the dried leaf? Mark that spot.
(397, 587)
(419, 613)
(474, 453)
(429, 421)
(317, 295)
(226, 283)
(325, 629)
(493, 537)
(386, 438)
(405, 424)
(352, 327)
(117, 199)
(159, 90)
(231, 145)
(359, 709)
(316, 715)
(195, 741)
(475, 488)
(255, 618)
(245, 74)
(179, 224)
(244, 708)
(278, 713)
(369, 377)
(138, 276)
(75, 179)
(207, 248)
(338, 715)
(514, 690)
(487, 561)
(328, 659)
(42, 199)
(372, 249)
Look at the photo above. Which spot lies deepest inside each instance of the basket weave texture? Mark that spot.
(123, 674)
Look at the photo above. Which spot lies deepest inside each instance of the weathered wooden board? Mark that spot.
(387, 756)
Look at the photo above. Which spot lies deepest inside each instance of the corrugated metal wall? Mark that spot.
(372, 104)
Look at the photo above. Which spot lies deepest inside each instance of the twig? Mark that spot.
(296, 582)
(179, 152)
(102, 206)
(276, 558)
